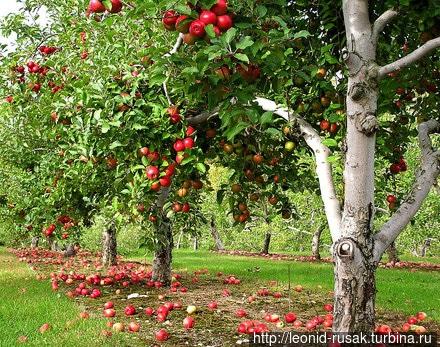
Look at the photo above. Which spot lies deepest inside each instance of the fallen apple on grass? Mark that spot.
(133, 327)
(162, 335)
(188, 323)
(118, 327)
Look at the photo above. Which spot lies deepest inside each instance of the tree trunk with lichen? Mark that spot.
(163, 236)
(316, 241)
(163, 252)
(218, 244)
(70, 250)
(393, 255)
(355, 285)
(109, 246)
(266, 243)
(34, 242)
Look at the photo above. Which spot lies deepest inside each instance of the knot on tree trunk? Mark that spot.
(358, 91)
(367, 123)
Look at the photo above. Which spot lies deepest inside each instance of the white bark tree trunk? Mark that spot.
(355, 291)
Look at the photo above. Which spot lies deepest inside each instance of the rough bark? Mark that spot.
(164, 238)
(34, 242)
(393, 255)
(109, 245)
(316, 241)
(355, 288)
(218, 243)
(53, 245)
(266, 243)
(425, 247)
(353, 253)
(163, 252)
(70, 250)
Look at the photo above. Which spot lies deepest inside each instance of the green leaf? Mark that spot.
(302, 34)
(274, 132)
(330, 59)
(229, 35)
(107, 4)
(330, 142)
(266, 118)
(105, 127)
(97, 114)
(201, 167)
(245, 43)
(242, 57)
(261, 10)
(115, 144)
(182, 9)
(139, 127)
(210, 31)
(235, 130)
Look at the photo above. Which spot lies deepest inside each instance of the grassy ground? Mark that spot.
(398, 290)
(26, 304)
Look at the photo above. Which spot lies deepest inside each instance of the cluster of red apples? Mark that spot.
(195, 28)
(97, 6)
(67, 223)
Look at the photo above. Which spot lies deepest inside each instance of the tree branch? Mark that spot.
(381, 210)
(426, 177)
(203, 117)
(176, 46)
(323, 167)
(411, 58)
(382, 22)
(162, 197)
(174, 50)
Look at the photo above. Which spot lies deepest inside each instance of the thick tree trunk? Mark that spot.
(70, 250)
(393, 256)
(266, 244)
(163, 253)
(53, 245)
(34, 242)
(109, 246)
(316, 241)
(353, 253)
(218, 244)
(355, 288)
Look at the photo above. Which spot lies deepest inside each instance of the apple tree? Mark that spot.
(146, 109)
(383, 101)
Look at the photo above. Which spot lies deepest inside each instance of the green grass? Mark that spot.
(26, 304)
(398, 290)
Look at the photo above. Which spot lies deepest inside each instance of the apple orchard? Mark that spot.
(125, 106)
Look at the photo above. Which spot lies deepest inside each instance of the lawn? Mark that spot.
(398, 289)
(26, 304)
